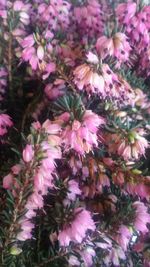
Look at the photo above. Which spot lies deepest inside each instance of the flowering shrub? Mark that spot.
(74, 133)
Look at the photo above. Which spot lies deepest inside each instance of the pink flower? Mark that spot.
(5, 122)
(73, 190)
(85, 78)
(40, 52)
(114, 256)
(132, 146)
(55, 90)
(107, 84)
(123, 237)
(89, 18)
(87, 255)
(82, 136)
(28, 153)
(43, 178)
(125, 11)
(117, 46)
(26, 227)
(92, 58)
(47, 12)
(77, 229)
(8, 181)
(142, 217)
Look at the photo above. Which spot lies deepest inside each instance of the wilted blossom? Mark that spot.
(76, 230)
(5, 123)
(3, 81)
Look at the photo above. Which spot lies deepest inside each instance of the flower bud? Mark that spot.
(40, 52)
(28, 153)
(15, 250)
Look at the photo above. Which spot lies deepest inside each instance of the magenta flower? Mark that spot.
(77, 229)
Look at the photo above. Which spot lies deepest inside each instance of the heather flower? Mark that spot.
(73, 190)
(82, 135)
(3, 10)
(136, 24)
(86, 78)
(114, 256)
(36, 51)
(54, 13)
(28, 153)
(76, 230)
(5, 122)
(42, 178)
(107, 84)
(123, 237)
(8, 181)
(3, 81)
(142, 217)
(144, 62)
(117, 47)
(23, 10)
(87, 255)
(131, 146)
(138, 188)
(125, 11)
(55, 90)
(92, 58)
(89, 18)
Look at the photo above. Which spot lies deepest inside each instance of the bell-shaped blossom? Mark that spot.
(142, 217)
(77, 229)
(117, 46)
(82, 135)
